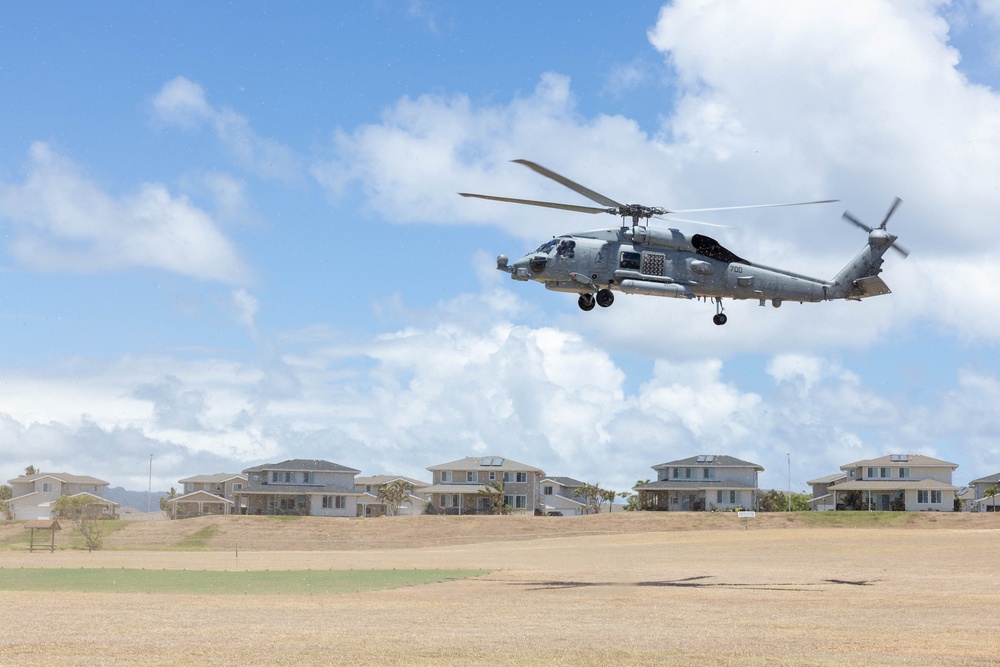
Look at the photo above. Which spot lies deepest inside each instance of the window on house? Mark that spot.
(871, 472)
(547, 490)
(687, 473)
(708, 473)
(493, 476)
(288, 478)
(238, 486)
(341, 502)
(884, 472)
(445, 476)
(921, 496)
(46, 487)
(904, 473)
(718, 496)
(254, 478)
(677, 473)
(472, 476)
(508, 477)
(852, 473)
(518, 502)
(275, 476)
(734, 497)
(935, 496)
(522, 477)
(307, 477)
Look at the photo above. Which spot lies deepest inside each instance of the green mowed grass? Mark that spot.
(215, 582)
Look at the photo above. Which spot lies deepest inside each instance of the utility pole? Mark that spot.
(789, 481)
(149, 491)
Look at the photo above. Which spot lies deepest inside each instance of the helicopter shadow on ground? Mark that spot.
(691, 582)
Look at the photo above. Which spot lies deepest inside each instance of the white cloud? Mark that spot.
(863, 101)
(183, 103)
(65, 221)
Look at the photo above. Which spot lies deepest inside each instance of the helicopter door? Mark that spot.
(600, 262)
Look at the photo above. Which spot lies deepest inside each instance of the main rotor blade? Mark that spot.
(896, 202)
(576, 187)
(672, 218)
(546, 204)
(850, 218)
(734, 208)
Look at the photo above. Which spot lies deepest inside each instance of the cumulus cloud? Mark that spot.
(434, 392)
(182, 102)
(66, 221)
(862, 103)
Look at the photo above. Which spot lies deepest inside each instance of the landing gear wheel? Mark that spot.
(586, 302)
(605, 298)
(720, 317)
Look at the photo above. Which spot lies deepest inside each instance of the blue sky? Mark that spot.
(229, 234)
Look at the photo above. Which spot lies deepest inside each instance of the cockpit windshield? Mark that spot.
(546, 247)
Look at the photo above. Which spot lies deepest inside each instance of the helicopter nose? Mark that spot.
(527, 268)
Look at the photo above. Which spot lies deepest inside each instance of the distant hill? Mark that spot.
(136, 499)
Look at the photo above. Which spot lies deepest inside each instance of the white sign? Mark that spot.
(746, 514)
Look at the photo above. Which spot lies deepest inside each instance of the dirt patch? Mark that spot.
(724, 596)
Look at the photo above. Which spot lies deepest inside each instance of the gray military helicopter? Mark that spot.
(667, 262)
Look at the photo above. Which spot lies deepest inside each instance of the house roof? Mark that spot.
(203, 496)
(568, 482)
(989, 479)
(103, 500)
(305, 465)
(709, 460)
(63, 477)
(895, 485)
(486, 463)
(828, 479)
(212, 479)
(387, 479)
(692, 485)
(911, 461)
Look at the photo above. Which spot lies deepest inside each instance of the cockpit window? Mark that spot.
(630, 260)
(566, 249)
(549, 245)
(709, 247)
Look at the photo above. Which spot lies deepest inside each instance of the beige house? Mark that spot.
(561, 497)
(369, 487)
(207, 494)
(701, 483)
(457, 486)
(32, 496)
(304, 487)
(980, 502)
(896, 482)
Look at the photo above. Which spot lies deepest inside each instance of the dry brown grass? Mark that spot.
(624, 589)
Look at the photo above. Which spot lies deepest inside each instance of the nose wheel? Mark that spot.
(720, 317)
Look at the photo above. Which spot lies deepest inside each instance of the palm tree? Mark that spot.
(493, 492)
(992, 491)
(31, 470)
(393, 494)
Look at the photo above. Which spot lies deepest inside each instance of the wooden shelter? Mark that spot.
(50, 525)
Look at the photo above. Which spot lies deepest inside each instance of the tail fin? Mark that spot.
(859, 279)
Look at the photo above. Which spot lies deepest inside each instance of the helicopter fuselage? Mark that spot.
(669, 263)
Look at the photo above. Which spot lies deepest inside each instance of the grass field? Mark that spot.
(623, 589)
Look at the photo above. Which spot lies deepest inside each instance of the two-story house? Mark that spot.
(369, 503)
(304, 487)
(701, 483)
(32, 496)
(207, 494)
(822, 499)
(900, 482)
(981, 501)
(561, 497)
(457, 486)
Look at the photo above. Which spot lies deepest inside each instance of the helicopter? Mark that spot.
(666, 262)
